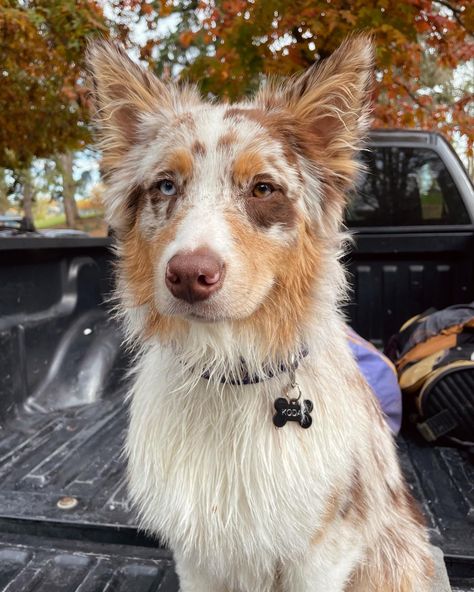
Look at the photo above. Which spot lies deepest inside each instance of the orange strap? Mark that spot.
(447, 338)
(434, 344)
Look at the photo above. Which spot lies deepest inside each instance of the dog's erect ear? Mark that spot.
(123, 95)
(328, 106)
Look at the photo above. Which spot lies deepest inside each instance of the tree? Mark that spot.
(28, 193)
(4, 192)
(42, 96)
(64, 164)
(43, 99)
(228, 45)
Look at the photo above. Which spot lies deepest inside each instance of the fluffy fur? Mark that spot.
(245, 506)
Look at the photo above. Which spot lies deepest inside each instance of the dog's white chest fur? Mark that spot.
(213, 475)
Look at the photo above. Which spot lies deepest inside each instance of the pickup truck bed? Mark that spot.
(65, 523)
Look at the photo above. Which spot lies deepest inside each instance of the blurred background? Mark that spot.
(49, 170)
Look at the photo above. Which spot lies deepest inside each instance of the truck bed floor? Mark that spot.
(62, 480)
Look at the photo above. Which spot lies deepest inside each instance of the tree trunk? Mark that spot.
(69, 189)
(4, 204)
(27, 196)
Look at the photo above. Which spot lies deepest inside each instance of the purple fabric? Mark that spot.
(381, 376)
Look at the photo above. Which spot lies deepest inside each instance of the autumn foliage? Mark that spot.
(228, 46)
(42, 96)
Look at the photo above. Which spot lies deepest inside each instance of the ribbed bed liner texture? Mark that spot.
(62, 477)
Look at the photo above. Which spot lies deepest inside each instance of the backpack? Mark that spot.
(434, 356)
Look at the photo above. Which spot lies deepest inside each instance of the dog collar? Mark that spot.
(246, 378)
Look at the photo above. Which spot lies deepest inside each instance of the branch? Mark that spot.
(456, 12)
(453, 9)
(412, 95)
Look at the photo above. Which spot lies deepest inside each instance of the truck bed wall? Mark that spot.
(396, 274)
(47, 284)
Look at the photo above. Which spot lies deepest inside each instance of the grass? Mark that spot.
(50, 221)
(89, 222)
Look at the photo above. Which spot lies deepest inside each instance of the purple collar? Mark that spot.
(245, 378)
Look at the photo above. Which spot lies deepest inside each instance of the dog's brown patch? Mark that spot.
(226, 141)
(180, 161)
(133, 203)
(267, 211)
(413, 507)
(185, 120)
(173, 200)
(198, 148)
(249, 168)
(274, 124)
(262, 118)
(137, 268)
(288, 305)
(330, 514)
(358, 495)
(246, 166)
(237, 114)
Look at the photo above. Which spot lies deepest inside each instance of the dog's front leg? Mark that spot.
(194, 579)
(325, 568)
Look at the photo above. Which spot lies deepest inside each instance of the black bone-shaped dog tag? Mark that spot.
(291, 411)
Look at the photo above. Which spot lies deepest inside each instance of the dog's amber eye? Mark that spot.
(262, 190)
(167, 187)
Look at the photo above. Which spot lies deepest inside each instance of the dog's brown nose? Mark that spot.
(194, 275)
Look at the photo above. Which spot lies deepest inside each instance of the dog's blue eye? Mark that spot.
(262, 190)
(167, 187)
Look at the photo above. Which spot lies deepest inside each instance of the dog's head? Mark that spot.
(225, 213)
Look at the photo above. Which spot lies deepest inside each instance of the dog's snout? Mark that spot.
(194, 275)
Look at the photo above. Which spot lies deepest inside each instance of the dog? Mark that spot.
(256, 450)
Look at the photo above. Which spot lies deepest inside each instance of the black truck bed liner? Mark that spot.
(73, 453)
(63, 505)
(40, 564)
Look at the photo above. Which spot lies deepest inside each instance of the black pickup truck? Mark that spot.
(65, 522)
